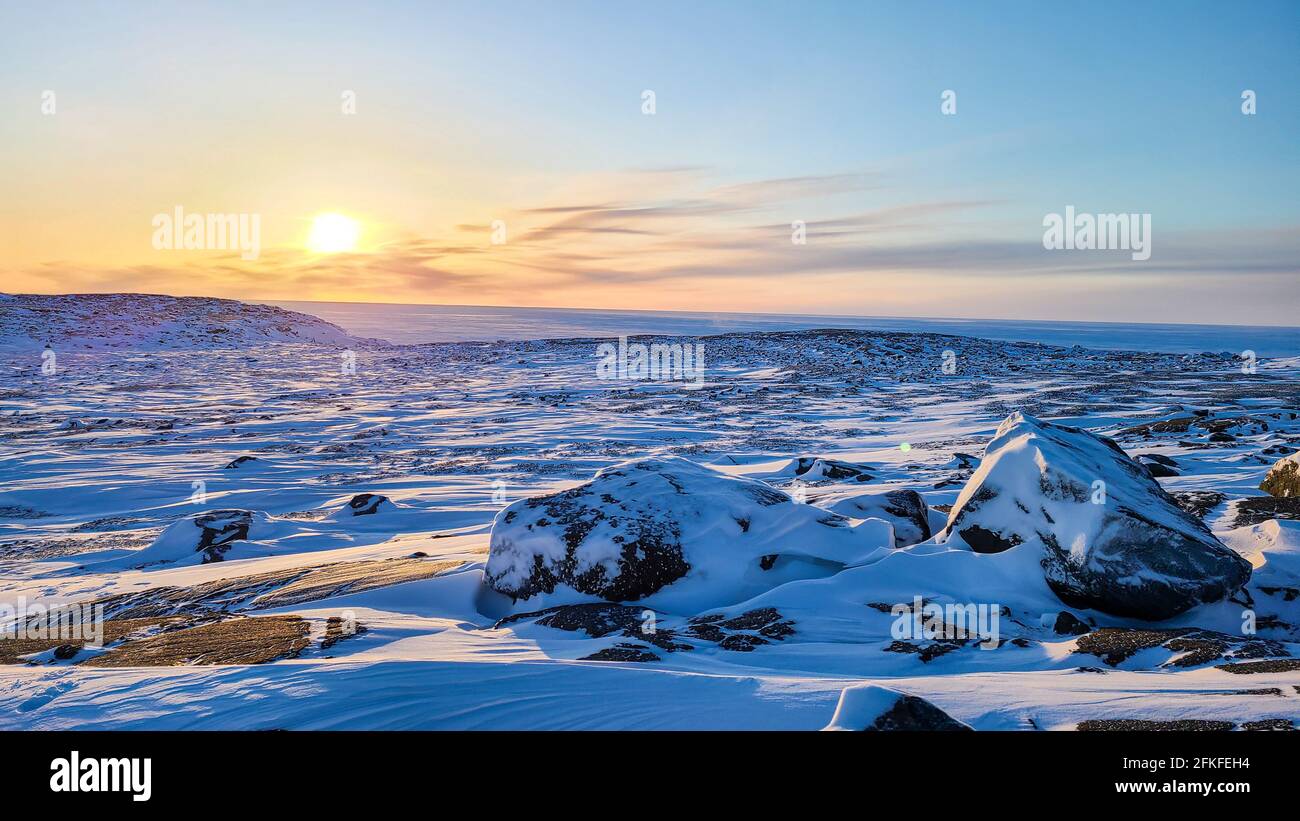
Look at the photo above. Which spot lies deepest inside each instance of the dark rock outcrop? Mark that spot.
(743, 633)
(1068, 624)
(1158, 466)
(819, 469)
(904, 509)
(218, 529)
(874, 708)
(1255, 509)
(366, 504)
(1283, 478)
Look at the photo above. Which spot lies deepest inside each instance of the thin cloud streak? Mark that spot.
(699, 233)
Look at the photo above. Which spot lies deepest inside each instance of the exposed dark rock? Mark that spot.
(218, 529)
(815, 469)
(66, 651)
(366, 504)
(753, 619)
(274, 588)
(622, 652)
(1179, 424)
(742, 642)
(1197, 649)
(1287, 593)
(596, 620)
(242, 460)
(742, 633)
(13, 649)
(1130, 724)
(1193, 647)
(987, 541)
(904, 509)
(875, 708)
(927, 652)
(760, 627)
(239, 640)
(1199, 503)
(1115, 644)
(913, 713)
(1157, 458)
(963, 465)
(1157, 465)
(1269, 666)
(1255, 509)
(337, 629)
(1068, 624)
(1267, 724)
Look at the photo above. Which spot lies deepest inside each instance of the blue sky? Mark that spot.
(766, 113)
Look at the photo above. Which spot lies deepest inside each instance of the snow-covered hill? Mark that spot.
(82, 322)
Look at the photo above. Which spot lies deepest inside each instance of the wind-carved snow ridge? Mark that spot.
(81, 322)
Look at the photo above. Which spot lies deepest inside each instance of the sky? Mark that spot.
(502, 154)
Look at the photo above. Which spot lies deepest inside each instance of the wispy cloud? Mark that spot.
(688, 230)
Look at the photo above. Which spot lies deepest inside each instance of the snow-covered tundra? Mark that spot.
(289, 527)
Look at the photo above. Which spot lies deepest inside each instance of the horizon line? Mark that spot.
(773, 314)
(265, 301)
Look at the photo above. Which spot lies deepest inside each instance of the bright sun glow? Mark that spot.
(333, 233)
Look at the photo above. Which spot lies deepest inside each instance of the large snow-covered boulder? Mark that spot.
(673, 533)
(1110, 538)
(1283, 478)
(906, 510)
(871, 707)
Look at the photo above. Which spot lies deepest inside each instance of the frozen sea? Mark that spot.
(413, 324)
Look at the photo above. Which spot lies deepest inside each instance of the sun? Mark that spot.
(333, 233)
